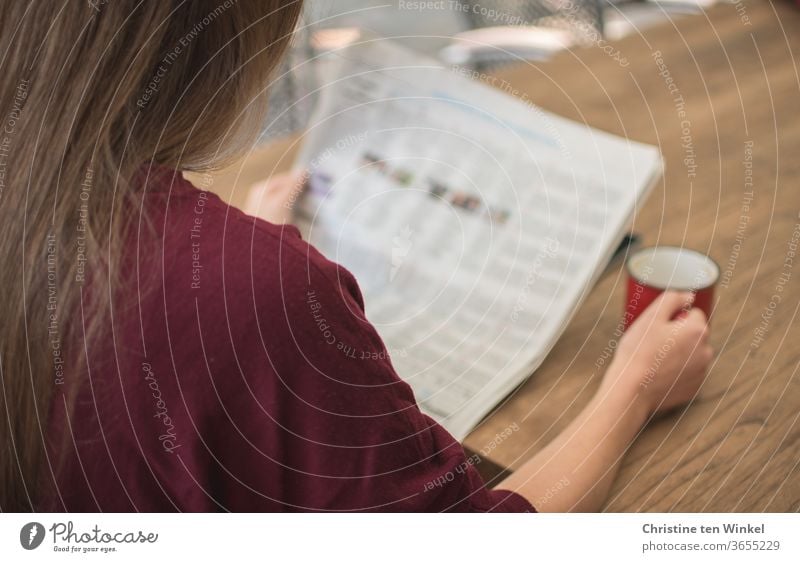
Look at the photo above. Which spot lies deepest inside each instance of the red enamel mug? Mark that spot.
(651, 271)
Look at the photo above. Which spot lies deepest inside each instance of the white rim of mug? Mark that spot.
(713, 268)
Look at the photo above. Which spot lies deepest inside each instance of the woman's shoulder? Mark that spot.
(256, 293)
(205, 239)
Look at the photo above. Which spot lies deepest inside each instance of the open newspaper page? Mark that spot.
(474, 222)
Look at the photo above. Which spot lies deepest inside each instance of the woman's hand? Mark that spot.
(660, 363)
(273, 199)
(662, 360)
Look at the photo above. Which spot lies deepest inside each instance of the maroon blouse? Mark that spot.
(228, 381)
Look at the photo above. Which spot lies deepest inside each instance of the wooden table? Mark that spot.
(731, 189)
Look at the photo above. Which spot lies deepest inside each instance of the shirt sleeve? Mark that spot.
(322, 421)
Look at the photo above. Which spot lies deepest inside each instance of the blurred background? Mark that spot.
(481, 35)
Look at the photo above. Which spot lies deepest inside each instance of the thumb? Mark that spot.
(670, 303)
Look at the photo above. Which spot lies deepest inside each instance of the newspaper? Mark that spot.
(474, 222)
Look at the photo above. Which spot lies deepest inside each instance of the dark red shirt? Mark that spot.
(240, 373)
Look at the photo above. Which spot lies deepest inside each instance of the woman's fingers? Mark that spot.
(670, 303)
(272, 199)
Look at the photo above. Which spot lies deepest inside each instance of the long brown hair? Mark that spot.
(91, 91)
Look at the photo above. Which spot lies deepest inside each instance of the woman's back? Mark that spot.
(230, 382)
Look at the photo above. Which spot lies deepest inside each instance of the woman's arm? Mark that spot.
(660, 364)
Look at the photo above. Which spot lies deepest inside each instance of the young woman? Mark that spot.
(160, 350)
